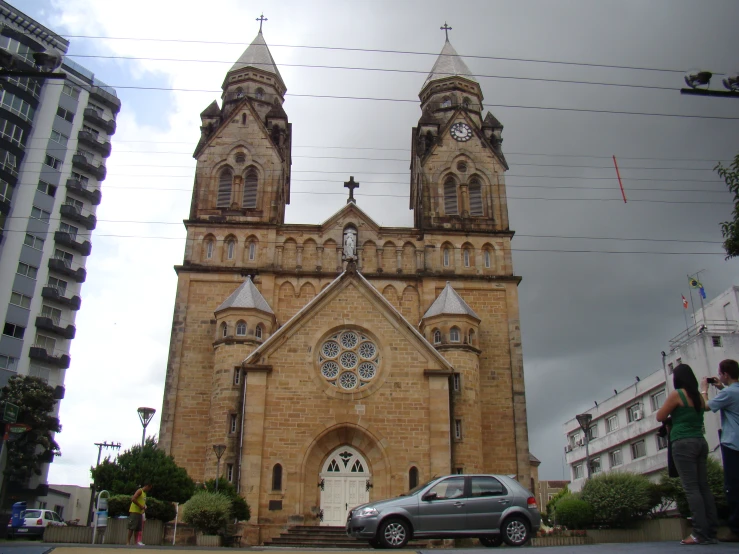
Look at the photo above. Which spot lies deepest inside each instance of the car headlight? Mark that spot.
(367, 512)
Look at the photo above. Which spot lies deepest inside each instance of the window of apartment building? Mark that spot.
(9, 161)
(595, 465)
(33, 241)
(70, 229)
(671, 367)
(16, 105)
(634, 412)
(592, 432)
(27, 270)
(47, 343)
(661, 442)
(54, 313)
(8, 363)
(42, 215)
(62, 139)
(58, 284)
(611, 423)
(6, 191)
(679, 361)
(74, 92)
(100, 110)
(47, 188)
(53, 162)
(20, 300)
(13, 330)
(232, 423)
(81, 179)
(658, 398)
(716, 340)
(42, 373)
(65, 257)
(577, 472)
(65, 114)
(11, 132)
(615, 458)
(638, 450)
(89, 156)
(41, 505)
(456, 382)
(458, 429)
(90, 130)
(69, 201)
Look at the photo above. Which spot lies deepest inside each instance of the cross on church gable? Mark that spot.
(351, 184)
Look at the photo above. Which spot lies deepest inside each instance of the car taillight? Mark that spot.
(531, 503)
(39, 521)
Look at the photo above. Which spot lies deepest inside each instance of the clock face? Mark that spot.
(461, 132)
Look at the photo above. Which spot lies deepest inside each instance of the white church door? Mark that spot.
(345, 475)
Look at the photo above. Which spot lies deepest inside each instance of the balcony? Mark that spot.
(60, 265)
(69, 240)
(81, 162)
(96, 118)
(58, 295)
(86, 219)
(56, 358)
(55, 325)
(80, 188)
(101, 147)
(4, 205)
(110, 100)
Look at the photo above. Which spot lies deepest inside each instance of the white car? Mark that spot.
(35, 521)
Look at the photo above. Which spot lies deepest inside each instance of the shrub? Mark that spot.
(672, 490)
(119, 505)
(240, 510)
(574, 512)
(207, 512)
(552, 504)
(618, 499)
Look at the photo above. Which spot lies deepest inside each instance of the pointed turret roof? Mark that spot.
(211, 111)
(246, 296)
(449, 64)
(257, 56)
(492, 121)
(449, 303)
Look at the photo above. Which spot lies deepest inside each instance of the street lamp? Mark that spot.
(219, 449)
(584, 421)
(145, 415)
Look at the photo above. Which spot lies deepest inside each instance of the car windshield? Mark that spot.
(32, 513)
(415, 490)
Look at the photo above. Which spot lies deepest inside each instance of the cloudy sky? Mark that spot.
(602, 280)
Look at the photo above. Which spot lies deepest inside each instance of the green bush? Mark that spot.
(618, 499)
(672, 490)
(119, 505)
(240, 510)
(552, 504)
(573, 512)
(207, 512)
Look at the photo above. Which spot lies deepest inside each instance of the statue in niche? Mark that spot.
(350, 244)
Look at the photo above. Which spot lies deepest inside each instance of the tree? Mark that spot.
(130, 470)
(730, 229)
(35, 400)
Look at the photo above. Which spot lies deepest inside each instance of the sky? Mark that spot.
(602, 279)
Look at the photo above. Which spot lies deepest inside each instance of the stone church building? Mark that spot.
(342, 362)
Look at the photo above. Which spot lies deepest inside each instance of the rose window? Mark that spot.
(349, 360)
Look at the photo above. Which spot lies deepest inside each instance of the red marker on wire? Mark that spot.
(615, 164)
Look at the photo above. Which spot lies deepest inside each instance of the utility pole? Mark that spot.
(112, 445)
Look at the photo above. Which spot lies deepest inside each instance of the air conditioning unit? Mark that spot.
(579, 442)
(568, 448)
(638, 414)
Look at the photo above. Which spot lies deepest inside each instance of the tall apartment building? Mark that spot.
(54, 139)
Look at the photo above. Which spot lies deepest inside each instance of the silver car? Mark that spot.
(492, 508)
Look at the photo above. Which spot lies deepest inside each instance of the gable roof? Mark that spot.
(274, 339)
(449, 64)
(246, 296)
(449, 303)
(257, 55)
(348, 208)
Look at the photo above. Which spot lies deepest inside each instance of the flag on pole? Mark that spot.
(685, 302)
(694, 283)
(703, 292)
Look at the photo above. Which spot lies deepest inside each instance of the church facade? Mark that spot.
(344, 362)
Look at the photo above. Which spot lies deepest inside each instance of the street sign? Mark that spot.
(18, 428)
(10, 414)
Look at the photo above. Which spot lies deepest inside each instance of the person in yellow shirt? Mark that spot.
(136, 512)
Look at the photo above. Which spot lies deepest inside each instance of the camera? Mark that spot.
(712, 380)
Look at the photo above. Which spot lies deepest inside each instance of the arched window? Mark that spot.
(446, 102)
(471, 336)
(277, 477)
(224, 329)
(447, 257)
(230, 246)
(259, 94)
(454, 334)
(487, 259)
(252, 251)
(250, 189)
(450, 197)
(241, 329)
(243, 119)
(239, 92)
(437, 336)
(412, 478)
(476, 198)
(209, 249)
(258, 332)
(466, 256)
(224, 189)
(240, 156)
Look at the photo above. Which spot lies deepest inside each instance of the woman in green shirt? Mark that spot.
(685, 408)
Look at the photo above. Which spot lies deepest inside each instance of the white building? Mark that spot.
(71, 502)
(623, 433)
(54, 139)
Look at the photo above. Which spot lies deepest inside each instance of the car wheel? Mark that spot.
(374, 543)
(515, 531)
(394, 533)
(491, 542)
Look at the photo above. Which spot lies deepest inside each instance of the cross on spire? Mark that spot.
(262, 19)
(351, 184)
(446, 28)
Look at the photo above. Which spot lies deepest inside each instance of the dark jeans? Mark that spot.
(690, 458)
(731, 485)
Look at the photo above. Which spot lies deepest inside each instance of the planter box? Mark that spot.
(561, 541)
(115, 533)
(68, 534)
(651, 530)
(207, 540)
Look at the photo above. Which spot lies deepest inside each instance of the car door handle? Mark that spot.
(459, 504)
(504, 501)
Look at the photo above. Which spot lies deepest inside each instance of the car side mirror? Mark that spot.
(430, 496)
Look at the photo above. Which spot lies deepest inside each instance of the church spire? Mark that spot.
(449, 64)
(257, 56)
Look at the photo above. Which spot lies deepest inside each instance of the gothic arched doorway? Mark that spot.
(345, 475)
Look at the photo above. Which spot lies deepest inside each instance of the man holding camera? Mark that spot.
(727, 401)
